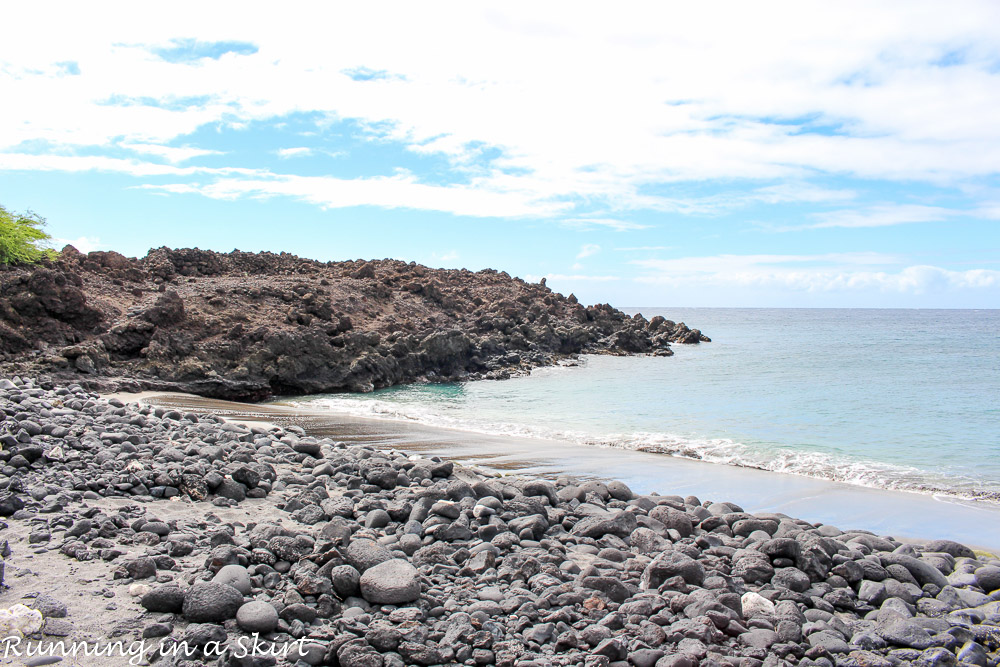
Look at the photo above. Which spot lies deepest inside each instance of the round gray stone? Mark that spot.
(234, 575)
(257, 616)
(988, 578)
(363, 554)
(392, 582)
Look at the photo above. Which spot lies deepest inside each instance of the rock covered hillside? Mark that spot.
(249, 325)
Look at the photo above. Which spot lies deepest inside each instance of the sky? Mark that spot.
(779, 154)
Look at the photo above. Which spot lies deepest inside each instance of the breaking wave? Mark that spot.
(724, 451)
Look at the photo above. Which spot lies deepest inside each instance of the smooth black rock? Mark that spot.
(164, 599)
(211, 602)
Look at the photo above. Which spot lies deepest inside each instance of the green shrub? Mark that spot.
(22, 240)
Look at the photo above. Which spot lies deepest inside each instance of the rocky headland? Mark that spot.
(131, 522)
(245, 326)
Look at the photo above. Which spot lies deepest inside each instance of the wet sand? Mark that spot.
(902, 515)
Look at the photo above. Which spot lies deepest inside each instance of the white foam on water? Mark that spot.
(723, 451)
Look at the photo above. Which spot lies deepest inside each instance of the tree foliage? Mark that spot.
(22, 239)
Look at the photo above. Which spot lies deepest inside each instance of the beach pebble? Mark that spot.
(211, 602)
(394, 581)
(754, 603)
(167, 598)
(904, 632)
(257, 616)
(40, 660)
(154, 630)
(49, 606)
(57, 627)
(346, 581)
(139, 590)
(235, 576)
(988, 578)
(364, 554)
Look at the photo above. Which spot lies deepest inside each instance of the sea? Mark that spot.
(905, 400)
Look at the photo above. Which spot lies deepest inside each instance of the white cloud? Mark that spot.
(726, 263)
(643, 248)
(171, 154)
(298, 151)
(989, 210)
(638, 101)
(587, 224)
(800, 192)
(71, 163)
(880, 216)
(813, 273)
(588, 250)
(84, 163)
(230, 183)
(84, 244)
(400, 191)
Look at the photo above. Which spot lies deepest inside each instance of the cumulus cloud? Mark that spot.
(814, 273)
(588, 250)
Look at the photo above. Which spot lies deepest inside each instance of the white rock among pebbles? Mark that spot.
(20, 620)
(754, 603)
(392, 582)
(139, 590)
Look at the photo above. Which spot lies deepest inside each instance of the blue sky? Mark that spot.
(802, 154)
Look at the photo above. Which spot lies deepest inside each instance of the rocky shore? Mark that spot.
(244, 326)
(236, 543)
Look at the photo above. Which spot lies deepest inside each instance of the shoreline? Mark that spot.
(905, 514)
(141, 522)
(624, 443)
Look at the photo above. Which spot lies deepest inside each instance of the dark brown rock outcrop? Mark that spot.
(249, 325)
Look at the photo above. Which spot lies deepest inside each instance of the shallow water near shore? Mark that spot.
(887, 399)
(902, 515)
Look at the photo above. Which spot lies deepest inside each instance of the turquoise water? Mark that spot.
(897, 399)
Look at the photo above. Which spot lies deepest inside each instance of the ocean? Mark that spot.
(892, 399)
